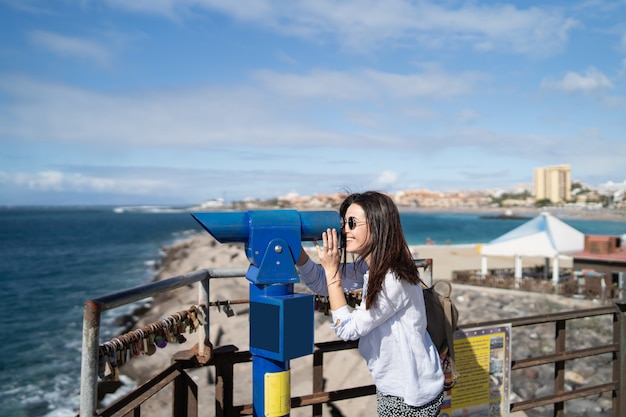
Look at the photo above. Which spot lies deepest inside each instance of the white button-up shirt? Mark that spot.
(392, 335)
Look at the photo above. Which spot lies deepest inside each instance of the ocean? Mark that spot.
(53, 259)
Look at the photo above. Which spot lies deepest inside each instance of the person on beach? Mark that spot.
(391, 321)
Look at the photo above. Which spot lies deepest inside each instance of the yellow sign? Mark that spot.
(277, 393)
(483, 360)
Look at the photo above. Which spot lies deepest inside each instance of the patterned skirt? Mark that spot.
(390, 406)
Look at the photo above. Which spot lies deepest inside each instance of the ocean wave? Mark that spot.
(59, 398)
(150, 209)
(128, 385)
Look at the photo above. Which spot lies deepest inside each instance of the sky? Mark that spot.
(176, 102)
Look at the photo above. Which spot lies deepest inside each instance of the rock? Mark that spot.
(531, 373)
(574, 378)
(125, 322)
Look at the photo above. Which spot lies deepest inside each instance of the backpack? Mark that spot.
(442, 319)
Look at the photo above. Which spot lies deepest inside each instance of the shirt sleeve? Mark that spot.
(313, 276)
(351, 325)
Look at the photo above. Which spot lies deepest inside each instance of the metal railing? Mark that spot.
(93, 310)
(224, 358)
(560, 355)
(225, 361)
(568, 286)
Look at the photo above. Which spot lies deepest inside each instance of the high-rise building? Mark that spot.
(553, 183)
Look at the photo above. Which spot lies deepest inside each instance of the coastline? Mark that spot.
(561, 212)
(573, 213)
(202, 251)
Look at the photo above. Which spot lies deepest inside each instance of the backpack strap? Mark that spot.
(448, 362)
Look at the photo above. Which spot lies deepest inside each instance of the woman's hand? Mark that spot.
(329, 253)
(329, 258)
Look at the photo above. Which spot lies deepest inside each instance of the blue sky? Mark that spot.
(177, 102)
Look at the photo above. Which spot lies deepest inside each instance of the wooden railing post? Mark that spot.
(559, 366)
(185, 401)
(619, 363)
(318, 379)
(224, 376)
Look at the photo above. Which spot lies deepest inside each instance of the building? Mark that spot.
(553, 183)
(602, 264)
(442, 200)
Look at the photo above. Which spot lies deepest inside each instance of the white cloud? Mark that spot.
(318, 84)
(201, 116)
(176, 10)
(356, 85)
(205, 116)
(468, 116)
(67, 46)
(59, 181)
(533, 31)
(386, 179)
(361, 25)
(592, 81)
(118, 181)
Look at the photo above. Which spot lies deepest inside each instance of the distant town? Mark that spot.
(552, 188)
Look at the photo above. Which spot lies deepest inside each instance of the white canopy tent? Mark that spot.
(543, 236)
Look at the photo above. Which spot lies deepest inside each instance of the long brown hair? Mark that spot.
(386, 247)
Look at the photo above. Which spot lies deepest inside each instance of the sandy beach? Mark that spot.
(345, 370)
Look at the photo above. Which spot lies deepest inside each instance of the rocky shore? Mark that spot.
(475, 304)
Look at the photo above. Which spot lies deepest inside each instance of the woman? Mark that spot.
(391, 321)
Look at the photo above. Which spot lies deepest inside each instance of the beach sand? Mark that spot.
(341, 369)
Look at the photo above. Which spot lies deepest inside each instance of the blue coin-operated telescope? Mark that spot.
(281, 321)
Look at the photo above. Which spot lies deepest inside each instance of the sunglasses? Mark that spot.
(351, 222)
